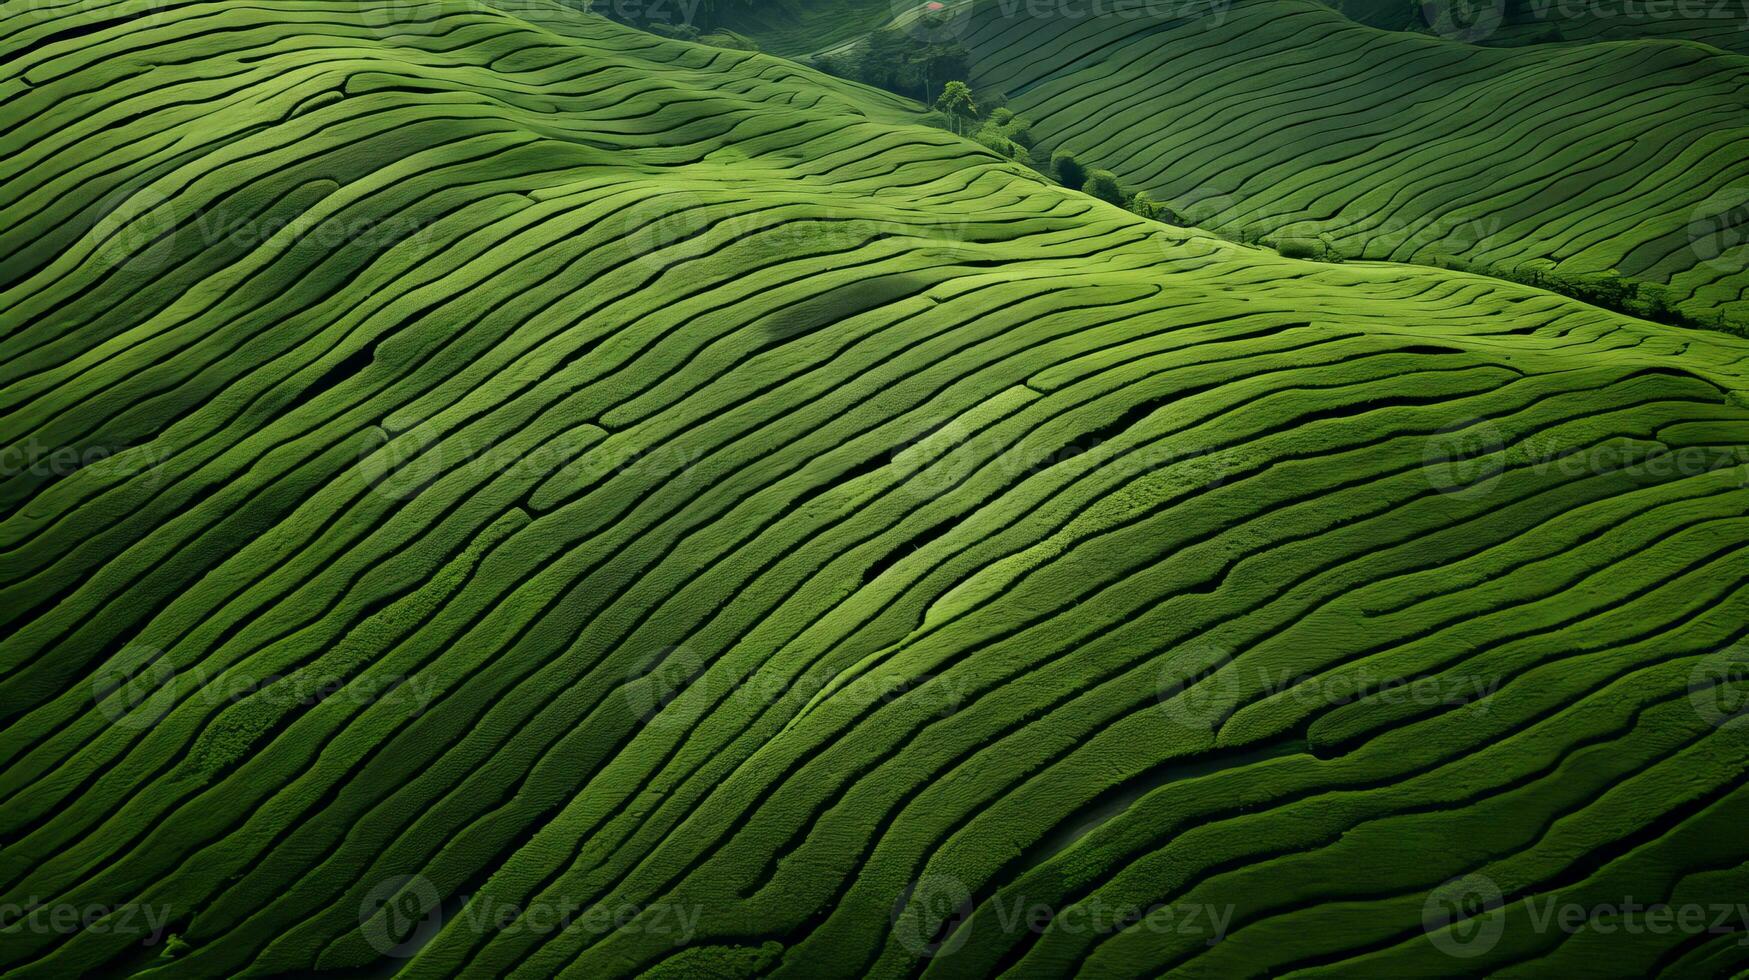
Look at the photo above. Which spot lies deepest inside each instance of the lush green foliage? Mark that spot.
(499, 457)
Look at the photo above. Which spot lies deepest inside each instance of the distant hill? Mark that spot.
(1593, 168)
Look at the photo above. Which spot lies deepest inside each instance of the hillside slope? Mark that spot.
(460, 452)
(1606, 166)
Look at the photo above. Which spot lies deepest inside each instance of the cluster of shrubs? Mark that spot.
(1646, 300)
(992, 124)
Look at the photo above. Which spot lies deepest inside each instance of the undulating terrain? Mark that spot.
(487, 491)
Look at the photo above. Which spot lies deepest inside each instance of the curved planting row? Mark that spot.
(1593, 167)
(487, 492)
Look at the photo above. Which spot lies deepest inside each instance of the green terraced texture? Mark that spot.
(1283, 120)
(1724, 24)
(463, 460)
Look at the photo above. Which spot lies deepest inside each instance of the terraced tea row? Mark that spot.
(495, 492)
(1281, 119)
(1285, 120)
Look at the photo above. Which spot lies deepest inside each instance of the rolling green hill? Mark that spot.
(488, 492)
(1723, 24)
(1596, 169)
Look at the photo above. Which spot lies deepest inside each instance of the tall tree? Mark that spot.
(956, 102)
